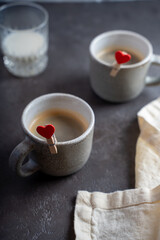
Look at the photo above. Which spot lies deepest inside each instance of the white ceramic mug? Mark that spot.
(131, 79)
(72, 154)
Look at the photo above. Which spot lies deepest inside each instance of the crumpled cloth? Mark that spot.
(147, 161)
(122, 215)
(131, 214)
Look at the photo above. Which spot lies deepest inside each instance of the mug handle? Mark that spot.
(153, 80)
(18, 155)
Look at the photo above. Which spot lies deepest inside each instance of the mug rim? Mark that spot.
(72, 141)
(115, 32)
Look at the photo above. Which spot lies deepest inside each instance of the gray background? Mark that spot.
(67, 1)
(41, 207)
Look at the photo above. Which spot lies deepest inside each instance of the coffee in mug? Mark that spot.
(108, 55)
(68, 124)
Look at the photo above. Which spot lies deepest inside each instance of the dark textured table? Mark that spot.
(42, 207)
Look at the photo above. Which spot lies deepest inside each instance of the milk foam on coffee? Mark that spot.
(68, 124)
(24, 45)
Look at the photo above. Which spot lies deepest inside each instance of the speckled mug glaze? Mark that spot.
(72, 155)
(131, 79)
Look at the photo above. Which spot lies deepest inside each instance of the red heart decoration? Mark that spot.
(122, 57)
(46, 131)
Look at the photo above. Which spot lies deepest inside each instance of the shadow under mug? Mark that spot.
(131, 79)
(72, 154)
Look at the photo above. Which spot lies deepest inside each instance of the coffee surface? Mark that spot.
(68, 124)
(108, 55)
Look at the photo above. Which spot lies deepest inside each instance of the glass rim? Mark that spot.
(37, 6)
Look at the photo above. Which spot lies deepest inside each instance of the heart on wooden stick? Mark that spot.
(121, 57)
(46, 131)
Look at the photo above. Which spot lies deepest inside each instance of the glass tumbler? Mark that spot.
(24, 38)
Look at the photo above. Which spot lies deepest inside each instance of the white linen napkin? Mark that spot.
(147, 162)
(130, 214)
(122, 215)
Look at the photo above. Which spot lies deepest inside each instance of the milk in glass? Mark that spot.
(25, 52)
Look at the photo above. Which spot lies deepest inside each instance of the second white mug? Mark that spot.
(131, 79)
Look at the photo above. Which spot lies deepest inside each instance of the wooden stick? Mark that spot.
(115, 69)
(52, 144)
